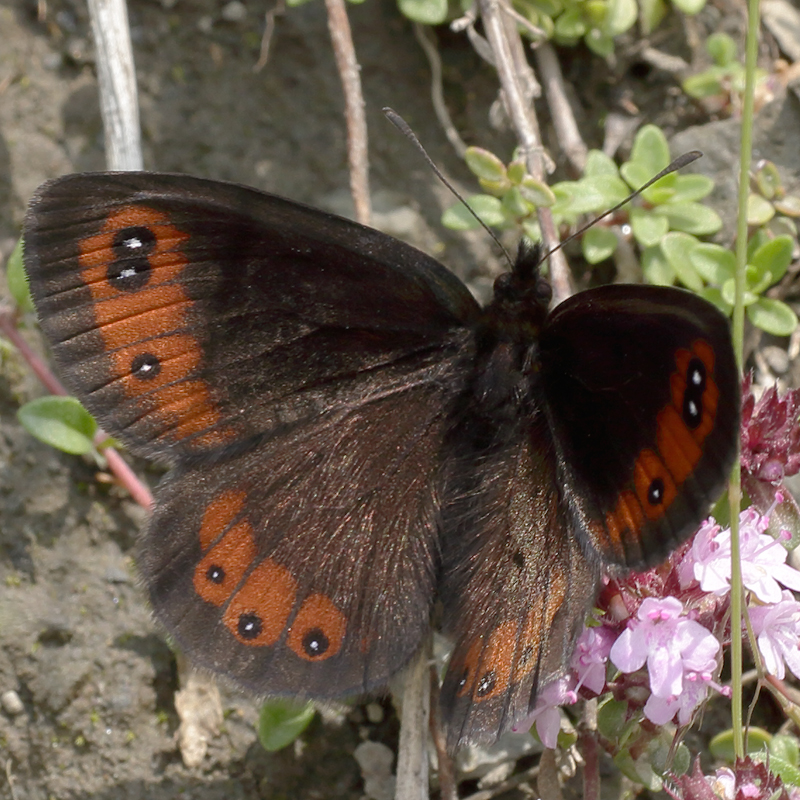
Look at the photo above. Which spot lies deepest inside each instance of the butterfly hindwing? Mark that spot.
(190, 315)
(645, 420)
(516, 585)
(306, 565)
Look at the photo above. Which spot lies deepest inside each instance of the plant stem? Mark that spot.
(737, 594)
(349, 74)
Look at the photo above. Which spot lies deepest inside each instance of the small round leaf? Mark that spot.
(61, 422)
(280, 722)
(772, 316)
(598, 244)
(485, 164)
(18, 280)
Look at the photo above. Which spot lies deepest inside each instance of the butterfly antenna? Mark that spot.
(405, 129)
(679, 163)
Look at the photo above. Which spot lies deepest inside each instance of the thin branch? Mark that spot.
(569, 137)
(357, 153)
(266, 37)
(447, 772)
(412, 756)
(427, 41)
(505, 42)
(118, 466)
(116, 79)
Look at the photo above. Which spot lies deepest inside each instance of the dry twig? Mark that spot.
(357, 154)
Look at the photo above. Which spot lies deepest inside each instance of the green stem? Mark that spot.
(738, 336)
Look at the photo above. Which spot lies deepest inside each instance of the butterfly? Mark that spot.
(356, 446)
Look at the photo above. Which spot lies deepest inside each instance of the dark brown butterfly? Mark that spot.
(352, 438)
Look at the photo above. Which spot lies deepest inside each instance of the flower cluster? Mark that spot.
(669, 624)
(654, 653)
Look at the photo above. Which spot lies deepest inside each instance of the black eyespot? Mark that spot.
(655, 492)
(462, 681)
(518, 559)
(693, 396)
(249, 626)
(486, 683)
(215, 574)
(145, 366)
(130, 270)
(315, 643)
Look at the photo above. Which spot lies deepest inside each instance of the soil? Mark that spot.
(95, 677)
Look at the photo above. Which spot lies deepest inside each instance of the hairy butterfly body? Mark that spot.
(352, 437)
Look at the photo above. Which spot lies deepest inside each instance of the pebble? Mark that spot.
(235, 11)
(11, 703)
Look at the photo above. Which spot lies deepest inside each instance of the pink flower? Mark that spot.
(651, 638)
(590, 657)
(777, 628)
(681, 657)
(764, 564)
(546, 715)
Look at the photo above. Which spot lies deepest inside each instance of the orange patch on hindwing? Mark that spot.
(258, 612)
(318, 629)
(682, 427)
(222, 568)
(133, 269)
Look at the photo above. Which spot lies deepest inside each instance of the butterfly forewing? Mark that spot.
(190, 315)
(645, 420)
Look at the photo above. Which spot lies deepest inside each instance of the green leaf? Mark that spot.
(689, 6)
(677, 248)
(691, 187)
(759, 210)
(61, 422)
(488, 208)
(714, 263)
(648, 228)
(655, 267)
(768, 180)
(598, 163)
(18, 280)
(721, 746)
(537, 192)
(729, 293)
(280, 722)
(789, 205)
(516, 171)
(773, 256)
(705, 84)
(599, 43)
(612, 716)
(621, 16)
(651, 13)
(569, 26)
(515, 205)
(785, 770)
(692, 218)
(574, 198)
(426, 12)
(495, 188)
(721, 48)
(650, 153)
(786, 747)
(772, 316)
(714, 295)
(598, 244)
(485, 164)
